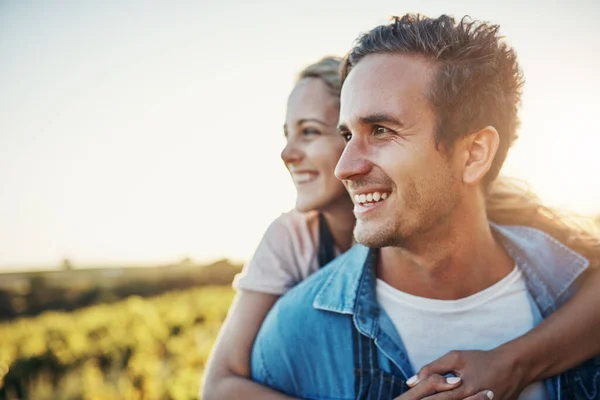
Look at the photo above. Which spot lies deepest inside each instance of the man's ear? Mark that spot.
(479, 149)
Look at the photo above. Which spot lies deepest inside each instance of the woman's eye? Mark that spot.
(346, 136)
(309, 131)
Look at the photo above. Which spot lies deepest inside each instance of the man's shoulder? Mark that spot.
(300, 298)
(329, 284)
(294, 316)
(316, 309)
(549, 266)
(293, 351)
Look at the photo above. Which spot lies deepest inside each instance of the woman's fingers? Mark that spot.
(461, 393)
(483, 395)
(450, 362)
(429, 386)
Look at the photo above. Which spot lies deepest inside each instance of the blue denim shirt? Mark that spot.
(305, 345)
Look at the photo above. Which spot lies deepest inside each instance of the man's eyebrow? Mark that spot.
(373, 119)
(380, 117)
(342, 128)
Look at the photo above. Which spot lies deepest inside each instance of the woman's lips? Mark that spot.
(303, 177)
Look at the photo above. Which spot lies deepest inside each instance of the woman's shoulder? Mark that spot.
(298, 232)
(298, 220)
(285, 256)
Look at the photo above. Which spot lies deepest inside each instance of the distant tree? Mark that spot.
(185, 261)
(6, 309)
(67, 265)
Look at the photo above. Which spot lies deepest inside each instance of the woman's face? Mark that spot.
(314, 145)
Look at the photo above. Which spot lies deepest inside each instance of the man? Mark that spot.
(428, 110)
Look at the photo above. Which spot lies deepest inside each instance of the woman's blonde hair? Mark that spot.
(509, 201)
(326, 69)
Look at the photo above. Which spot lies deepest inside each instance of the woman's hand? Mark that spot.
(484, 375)
(439, 387)
(431, 385)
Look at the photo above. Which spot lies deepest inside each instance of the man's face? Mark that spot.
(401, 184)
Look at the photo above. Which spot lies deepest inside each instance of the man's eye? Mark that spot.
(346, 136)
(380, 130)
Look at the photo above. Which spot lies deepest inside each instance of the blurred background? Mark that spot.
(139, 166)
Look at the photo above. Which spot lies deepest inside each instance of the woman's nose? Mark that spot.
(291, 153)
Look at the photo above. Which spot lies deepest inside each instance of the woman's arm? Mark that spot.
(563, 340)
(275, 267)
(566, 338)
(228, 371)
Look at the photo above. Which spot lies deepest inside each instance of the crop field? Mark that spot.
(137, 348)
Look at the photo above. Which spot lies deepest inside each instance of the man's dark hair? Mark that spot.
(478, 81)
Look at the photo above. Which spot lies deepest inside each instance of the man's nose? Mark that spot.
(353, 161)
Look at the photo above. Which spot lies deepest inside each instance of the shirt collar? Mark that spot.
(549, 267)
(339, 292)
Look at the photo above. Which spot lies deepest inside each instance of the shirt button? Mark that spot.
(402, 356)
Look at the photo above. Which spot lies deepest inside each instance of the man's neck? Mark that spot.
(448, 263)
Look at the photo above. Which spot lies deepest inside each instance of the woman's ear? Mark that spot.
(480, 148)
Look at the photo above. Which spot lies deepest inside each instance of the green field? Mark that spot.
(137, 348)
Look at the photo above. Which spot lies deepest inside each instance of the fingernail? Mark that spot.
(412, 381)
(453, 380)
(490, 394)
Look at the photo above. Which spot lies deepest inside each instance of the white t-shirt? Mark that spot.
(430, 328)
(286, 255)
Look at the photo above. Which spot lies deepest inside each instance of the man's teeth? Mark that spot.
(370, 197)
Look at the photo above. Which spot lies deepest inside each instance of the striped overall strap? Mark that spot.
(371, 382)
(326, 243)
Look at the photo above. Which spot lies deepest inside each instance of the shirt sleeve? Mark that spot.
(275, 266)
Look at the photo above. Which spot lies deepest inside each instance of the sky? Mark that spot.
(149, 131)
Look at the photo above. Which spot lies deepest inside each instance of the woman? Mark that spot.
(302, 240)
